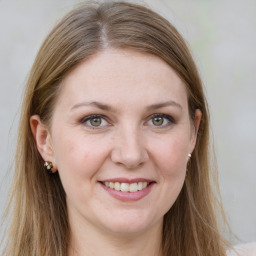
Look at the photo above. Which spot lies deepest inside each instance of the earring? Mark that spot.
(189, 156)
(48, 167)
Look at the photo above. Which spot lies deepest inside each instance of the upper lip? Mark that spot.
(127, 180)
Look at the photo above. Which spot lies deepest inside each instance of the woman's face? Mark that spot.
(120, 138)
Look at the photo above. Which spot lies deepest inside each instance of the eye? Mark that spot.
(161, 120)
(94, 121)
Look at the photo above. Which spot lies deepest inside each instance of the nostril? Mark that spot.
(130, 158)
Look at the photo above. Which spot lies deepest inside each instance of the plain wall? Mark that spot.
(222, 37)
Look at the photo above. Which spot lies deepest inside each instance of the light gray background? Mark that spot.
(222, 37)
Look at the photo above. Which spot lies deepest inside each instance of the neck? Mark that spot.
(97, 242)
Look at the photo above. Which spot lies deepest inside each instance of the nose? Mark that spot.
(129, 149)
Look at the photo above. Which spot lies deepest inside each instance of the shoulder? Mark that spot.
(243, 250)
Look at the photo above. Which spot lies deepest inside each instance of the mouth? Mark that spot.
(127, 187)
(128, 190)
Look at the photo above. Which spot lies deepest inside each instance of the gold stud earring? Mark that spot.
(48, 167)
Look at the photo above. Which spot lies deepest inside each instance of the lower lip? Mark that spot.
(128, 196)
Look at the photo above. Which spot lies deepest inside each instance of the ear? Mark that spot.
(196, 124)
(42, 138)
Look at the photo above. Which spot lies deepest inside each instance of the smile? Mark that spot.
(127, 187)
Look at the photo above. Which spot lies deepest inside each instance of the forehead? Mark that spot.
(123, 76)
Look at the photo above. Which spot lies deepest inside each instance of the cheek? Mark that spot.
(78, 156)
(171, 159)
(171, 156)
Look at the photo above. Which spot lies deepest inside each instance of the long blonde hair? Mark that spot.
(39, 224)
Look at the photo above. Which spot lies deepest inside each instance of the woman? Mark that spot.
(113, 146)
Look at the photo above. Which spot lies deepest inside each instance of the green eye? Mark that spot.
(157, 121)
(161, 120)
(95, 121)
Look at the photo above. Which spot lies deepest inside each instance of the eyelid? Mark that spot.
(87, 118)
(169, 118)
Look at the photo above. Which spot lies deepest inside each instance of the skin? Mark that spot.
(129, 143)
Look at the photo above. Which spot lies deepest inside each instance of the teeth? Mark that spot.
(144, 184)
(133, 187)
(139, 185)
(111, 184)
(126, 187)
(117, 186)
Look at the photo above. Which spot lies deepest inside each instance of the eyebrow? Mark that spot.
(164, 104)
(109, 108)
(93, 104)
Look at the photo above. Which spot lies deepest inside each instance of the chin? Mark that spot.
(132, 224)
(127, 230)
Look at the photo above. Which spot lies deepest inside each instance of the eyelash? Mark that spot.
(91, 117)
(170, 120)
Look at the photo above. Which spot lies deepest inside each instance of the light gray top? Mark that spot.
(243, 250)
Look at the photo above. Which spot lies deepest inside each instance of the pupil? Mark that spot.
(158, 121)
(95, 122)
